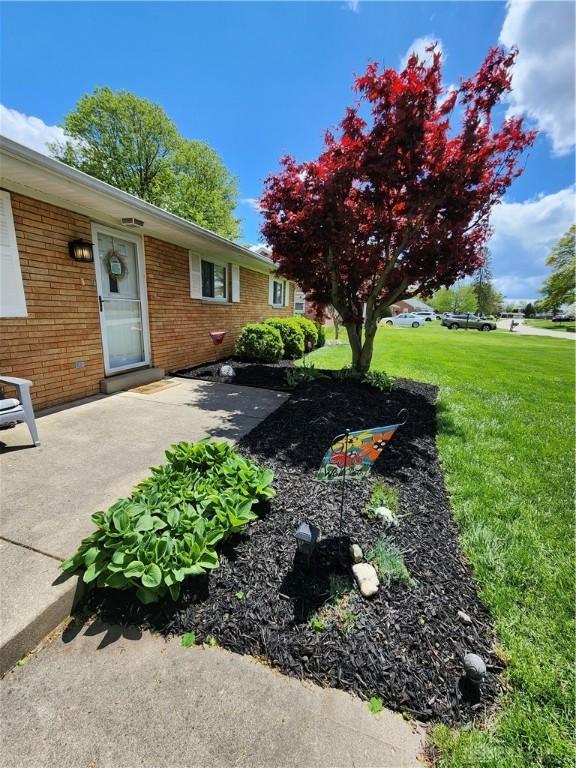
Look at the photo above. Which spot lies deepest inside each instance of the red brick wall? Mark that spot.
(180, 325)
(62, 302)
(63, 325)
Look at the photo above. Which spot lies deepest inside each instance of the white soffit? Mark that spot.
(37, 176)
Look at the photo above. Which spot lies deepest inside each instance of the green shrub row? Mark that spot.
(169, 527)
(277, 338)
(259, 342)
(292, 336)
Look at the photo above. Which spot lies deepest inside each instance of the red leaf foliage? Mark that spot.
(397, 204)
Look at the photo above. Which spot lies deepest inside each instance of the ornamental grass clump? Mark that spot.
(169, 527)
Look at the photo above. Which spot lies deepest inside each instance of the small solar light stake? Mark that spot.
(306, 538)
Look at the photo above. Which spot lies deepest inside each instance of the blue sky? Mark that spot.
(257, 80)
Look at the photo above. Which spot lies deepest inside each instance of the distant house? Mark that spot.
(100, 290)
(410, 305)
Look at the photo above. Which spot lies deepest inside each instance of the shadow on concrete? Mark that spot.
(111, 632)
(239, 409)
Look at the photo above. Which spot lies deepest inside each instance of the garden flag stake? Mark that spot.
(354, 453)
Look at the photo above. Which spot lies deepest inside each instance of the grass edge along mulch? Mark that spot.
(405, 645)
(506, 442)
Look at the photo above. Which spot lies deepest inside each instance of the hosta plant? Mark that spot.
(168, 529)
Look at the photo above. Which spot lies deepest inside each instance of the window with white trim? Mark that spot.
(278, 292)
(214, 280)
(12, 297)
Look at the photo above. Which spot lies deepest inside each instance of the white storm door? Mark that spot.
(121, 283)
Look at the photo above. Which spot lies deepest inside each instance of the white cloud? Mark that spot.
(419, 46)
(28, 130)
(543, 79)
(523, 236)
(353, 5)
(253, 202)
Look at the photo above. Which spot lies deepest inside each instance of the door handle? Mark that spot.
(100, 302)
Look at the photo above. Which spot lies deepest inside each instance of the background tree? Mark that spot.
(396, 205)
(529, 310)
(488, 299)
(560, 287)
(133, 145)
(336, 319)
(459, 299)
(202, 190)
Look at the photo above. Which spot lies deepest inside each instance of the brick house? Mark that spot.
(145, 302)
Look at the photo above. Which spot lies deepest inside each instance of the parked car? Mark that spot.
(563, 319)
(468, 321)
(406, 320)
(427, 315)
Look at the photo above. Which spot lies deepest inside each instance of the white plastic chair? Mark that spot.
(12, 409)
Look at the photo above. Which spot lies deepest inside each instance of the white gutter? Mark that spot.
(30, 156)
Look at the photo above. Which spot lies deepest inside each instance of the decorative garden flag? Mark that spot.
(353, 454)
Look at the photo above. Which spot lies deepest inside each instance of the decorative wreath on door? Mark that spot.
(115, 265)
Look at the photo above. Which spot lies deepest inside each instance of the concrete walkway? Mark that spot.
(99, 700)
(92, 454)
(528, 330)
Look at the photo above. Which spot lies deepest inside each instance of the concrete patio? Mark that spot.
(92, 453)
(106, 697)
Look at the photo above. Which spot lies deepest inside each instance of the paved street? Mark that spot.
(528, 330)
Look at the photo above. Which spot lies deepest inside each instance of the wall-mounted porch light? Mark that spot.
(81, 250)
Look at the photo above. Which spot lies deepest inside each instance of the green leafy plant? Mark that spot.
(389, 562)
(375, 704)
(302, 374)
(169, 527)
(240, 596)
(259, 342)
(383, 495)
(309, 329)
(211, 641)
(188, 639)
(380, 380)
(346, 372)
(291, 333)
(318, 624)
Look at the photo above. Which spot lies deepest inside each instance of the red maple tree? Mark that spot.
(397, 205)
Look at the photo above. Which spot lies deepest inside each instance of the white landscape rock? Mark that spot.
(227, 372)
(366, 578)
(356, 553)
(464, 618)
(385, 514)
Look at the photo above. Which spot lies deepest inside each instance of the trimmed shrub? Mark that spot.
(169, 527)
(321, 336)
(309, 329)
(260, 342)
(292, 336)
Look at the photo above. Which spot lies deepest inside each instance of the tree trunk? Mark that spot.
(362, 349)
(336, 328)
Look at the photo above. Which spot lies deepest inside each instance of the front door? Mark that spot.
(122, 298)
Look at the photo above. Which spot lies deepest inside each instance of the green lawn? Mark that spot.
(549, 325)
(507, 445)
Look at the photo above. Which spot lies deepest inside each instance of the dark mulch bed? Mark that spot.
(264, 375)
(407, 644)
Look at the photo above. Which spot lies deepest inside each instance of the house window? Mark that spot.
(278, 293)
(213, 281)
(299, 303)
